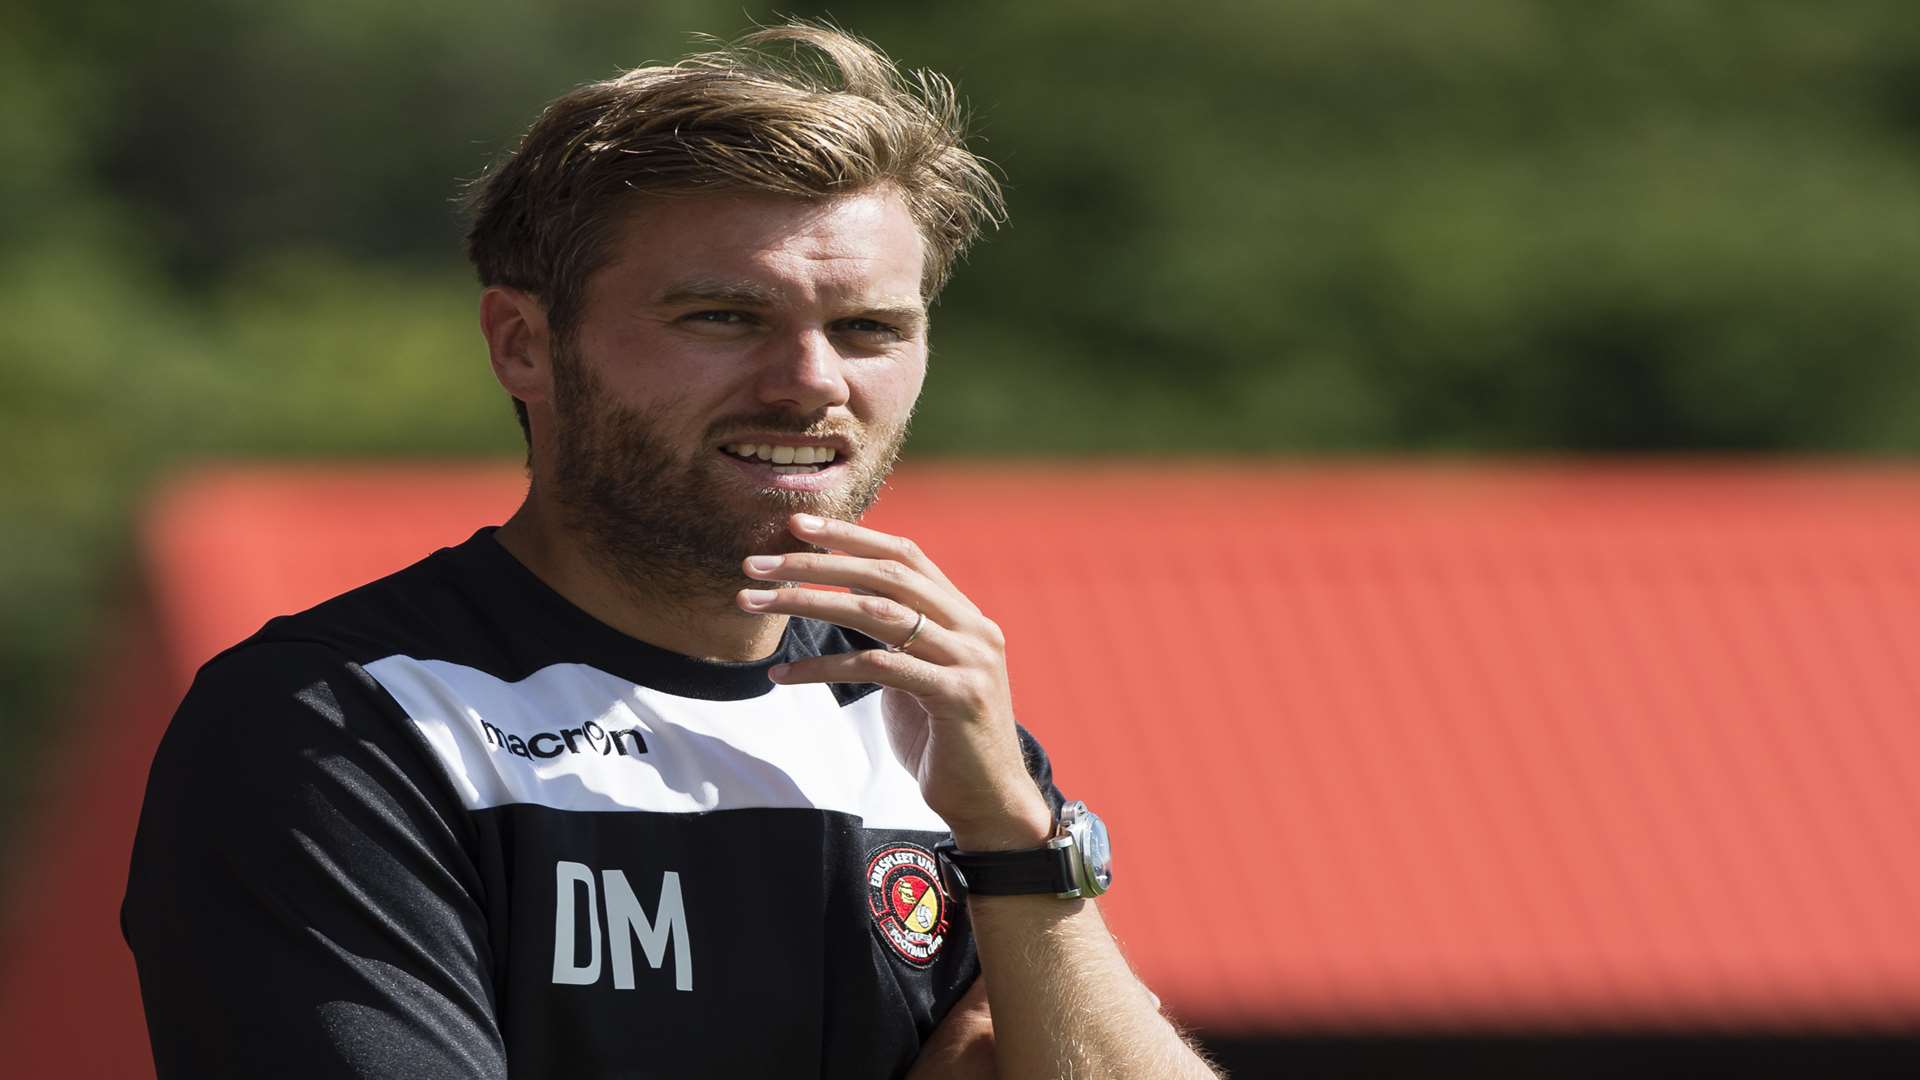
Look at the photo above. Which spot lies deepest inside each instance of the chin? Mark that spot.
(767, 535)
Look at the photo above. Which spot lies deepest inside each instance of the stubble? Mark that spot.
(667, 521)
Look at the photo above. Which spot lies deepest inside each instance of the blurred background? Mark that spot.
(1244, 230)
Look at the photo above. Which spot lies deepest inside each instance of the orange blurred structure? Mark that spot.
(1383, 748)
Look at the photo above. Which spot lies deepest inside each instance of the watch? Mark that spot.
(1076, 861)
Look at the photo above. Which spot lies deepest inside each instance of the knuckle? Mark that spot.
(881, 608)
(982, 655)
(976, 688)
(893, 571)
(906, 551)
(993, 635)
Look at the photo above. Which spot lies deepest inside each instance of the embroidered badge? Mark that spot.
(908, 905)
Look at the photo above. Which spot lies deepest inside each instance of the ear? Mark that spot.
(515, 326)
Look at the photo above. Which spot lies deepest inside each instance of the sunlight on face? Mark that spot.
(726, 323)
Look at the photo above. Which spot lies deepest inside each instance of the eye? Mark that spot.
(872, 327)
(720, 323)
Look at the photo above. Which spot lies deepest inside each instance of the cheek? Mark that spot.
(886, 395)
(672, 395)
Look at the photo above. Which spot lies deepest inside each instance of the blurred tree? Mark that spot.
(343, 126)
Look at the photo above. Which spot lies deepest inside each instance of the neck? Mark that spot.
(671, 611)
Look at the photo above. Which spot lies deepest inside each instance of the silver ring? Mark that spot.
(914, 633)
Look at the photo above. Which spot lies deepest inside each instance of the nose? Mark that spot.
(803, 373)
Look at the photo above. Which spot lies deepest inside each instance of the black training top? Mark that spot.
(449, 825)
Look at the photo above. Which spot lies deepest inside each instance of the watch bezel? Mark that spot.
(1084, 829)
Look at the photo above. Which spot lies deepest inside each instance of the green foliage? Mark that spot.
(1492, 226)
(226, 229)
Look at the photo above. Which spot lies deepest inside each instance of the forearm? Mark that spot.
(1064, 1002)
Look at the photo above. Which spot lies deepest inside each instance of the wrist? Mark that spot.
(1026, 824)
(1075, 861)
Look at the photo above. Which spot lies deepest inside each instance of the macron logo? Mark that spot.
(588, 738)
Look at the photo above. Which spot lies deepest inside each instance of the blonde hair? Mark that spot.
(800, 110)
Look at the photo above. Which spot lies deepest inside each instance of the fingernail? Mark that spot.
(760, 564)
(776, 672)
(757, 597)
(809, 522)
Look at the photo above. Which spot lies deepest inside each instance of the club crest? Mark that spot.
(907, 903)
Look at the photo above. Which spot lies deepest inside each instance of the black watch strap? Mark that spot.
(1007, 873)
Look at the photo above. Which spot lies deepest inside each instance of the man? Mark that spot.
(605, 791)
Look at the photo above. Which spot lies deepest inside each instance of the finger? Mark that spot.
(897, 670)
(860, 540)
(871, 577)
(884, 620)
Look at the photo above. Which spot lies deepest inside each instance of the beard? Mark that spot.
(670, 522)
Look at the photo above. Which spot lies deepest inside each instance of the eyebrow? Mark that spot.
(752, 294)
(717, 291)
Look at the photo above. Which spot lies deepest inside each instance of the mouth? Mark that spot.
(788, 464)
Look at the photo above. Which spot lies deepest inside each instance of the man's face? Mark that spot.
(723, 328)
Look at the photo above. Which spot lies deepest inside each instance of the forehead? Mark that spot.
(856, 245)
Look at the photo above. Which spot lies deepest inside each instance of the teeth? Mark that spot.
(789, 470)
(783, 455)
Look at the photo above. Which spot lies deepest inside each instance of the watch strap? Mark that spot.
(1009, 873)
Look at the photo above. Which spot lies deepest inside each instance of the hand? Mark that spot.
(948, 708)
(961, 1048)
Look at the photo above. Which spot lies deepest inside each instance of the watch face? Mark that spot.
(1096, 851)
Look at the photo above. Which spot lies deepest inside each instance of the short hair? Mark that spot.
(799, 110)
